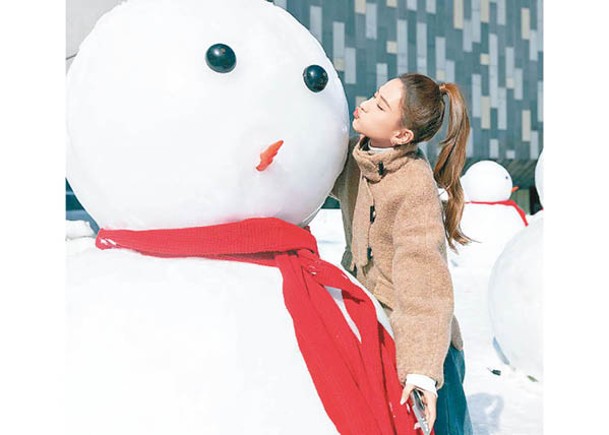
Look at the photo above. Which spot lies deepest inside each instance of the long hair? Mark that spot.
(423, 109)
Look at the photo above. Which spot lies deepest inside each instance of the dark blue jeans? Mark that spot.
(452, 414)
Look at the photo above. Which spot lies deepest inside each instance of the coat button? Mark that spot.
(372, 214)
(369, 253)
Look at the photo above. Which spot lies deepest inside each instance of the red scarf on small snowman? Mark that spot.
(509, 203)
(357, 381)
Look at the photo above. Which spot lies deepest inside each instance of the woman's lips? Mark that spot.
(356, 113)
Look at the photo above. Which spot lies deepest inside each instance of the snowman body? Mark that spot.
(491, 227)
(516, 294)
(185, 345)
(515, 300)
(485, 220)
(189, 346)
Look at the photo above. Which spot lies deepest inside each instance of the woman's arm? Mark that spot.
(422, 316)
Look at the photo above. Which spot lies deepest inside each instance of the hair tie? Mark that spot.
(442, 87)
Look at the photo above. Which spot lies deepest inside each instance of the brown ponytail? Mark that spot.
(451, 160)
(423, 109)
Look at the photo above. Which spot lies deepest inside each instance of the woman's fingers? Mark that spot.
(430, 407)
(406, 392)
(428, 398)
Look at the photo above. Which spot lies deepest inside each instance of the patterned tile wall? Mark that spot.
(493, 49)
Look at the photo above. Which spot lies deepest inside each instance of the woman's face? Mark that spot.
(380, 117)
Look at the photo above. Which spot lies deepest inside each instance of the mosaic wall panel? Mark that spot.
(493, 49)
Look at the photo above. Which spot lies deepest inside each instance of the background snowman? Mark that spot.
(490, 218)
(516, 295)
(189, 114)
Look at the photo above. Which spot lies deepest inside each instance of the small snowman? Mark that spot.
(489, 218)
(516, 296)
(193, 124)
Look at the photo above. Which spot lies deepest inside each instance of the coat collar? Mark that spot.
(375, 165)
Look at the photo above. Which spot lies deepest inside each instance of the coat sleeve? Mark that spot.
(341, 185)
(424, 304)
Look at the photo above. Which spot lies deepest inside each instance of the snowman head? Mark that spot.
(487, 181)
(171, 104)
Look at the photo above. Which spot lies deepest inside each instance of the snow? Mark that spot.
(508, 404)
(77, 229)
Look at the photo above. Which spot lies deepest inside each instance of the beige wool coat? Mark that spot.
(396, 247)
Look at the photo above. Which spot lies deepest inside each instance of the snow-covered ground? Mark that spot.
(505, 404)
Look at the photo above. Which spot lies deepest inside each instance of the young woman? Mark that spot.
(397, 230)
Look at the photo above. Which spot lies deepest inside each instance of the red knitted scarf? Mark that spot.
(356, 380)
(509, 203)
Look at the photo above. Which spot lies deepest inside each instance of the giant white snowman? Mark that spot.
(188, 113)
(489, 217)
(516, 295)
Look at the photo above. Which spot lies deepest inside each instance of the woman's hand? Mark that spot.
(429, 400)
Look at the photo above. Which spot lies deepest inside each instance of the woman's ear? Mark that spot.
(402, 137)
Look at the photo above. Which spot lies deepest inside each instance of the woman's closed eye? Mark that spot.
(375, 96)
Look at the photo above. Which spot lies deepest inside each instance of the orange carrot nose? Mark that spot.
(267, 156)
(515, 188)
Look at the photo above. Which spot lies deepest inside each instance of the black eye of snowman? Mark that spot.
(221, 58)
(315, 77)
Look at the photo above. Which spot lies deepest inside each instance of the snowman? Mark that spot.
(203, 137)
(516, 295)
(489, 218)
